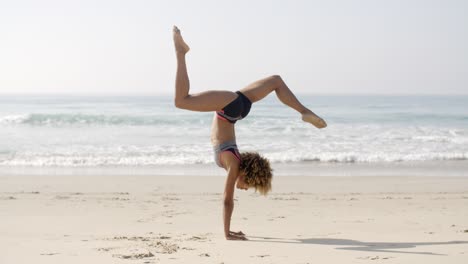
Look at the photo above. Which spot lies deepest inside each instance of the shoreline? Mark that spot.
(215, 185)
(453, 168)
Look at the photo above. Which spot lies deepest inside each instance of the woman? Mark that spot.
(243, 170)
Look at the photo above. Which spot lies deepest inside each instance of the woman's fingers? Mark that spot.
(234, 237)
(237, 233)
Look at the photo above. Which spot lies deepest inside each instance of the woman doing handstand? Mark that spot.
(244, 170)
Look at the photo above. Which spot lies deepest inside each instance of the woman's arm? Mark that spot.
(233, 170)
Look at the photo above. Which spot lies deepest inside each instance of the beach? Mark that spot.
(178, 219)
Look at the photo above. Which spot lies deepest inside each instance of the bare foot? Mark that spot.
(179, 43)
(314, 119)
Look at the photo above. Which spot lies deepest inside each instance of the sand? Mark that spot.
(178, 219)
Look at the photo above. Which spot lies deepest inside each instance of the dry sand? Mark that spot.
(178, 219)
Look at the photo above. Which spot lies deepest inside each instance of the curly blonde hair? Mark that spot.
(258, 173)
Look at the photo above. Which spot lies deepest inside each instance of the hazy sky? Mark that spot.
(352, 47)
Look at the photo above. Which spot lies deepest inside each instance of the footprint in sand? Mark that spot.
(277, 217)
(49, 254)
(285, 198)
(134, 256)
(197, 238)
(133, 238)
(141, 247)
(106, 249)
(187, 248)
(8, 198)
(121, 193)
(164, 247)
(374, 257)
(62, 197)
(170, 198)
(280, 217)
(260, 256)
(159, 236)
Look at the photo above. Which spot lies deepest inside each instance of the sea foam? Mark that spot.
(148, 131)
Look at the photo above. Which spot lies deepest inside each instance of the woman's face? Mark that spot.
(241, 182)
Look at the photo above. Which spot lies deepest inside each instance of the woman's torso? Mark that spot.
(221, 131)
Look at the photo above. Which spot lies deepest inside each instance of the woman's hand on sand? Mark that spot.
(235, 237)
(236, 233)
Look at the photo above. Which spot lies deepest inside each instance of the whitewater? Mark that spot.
(58, 130)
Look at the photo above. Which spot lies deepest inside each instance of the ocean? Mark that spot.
(148, 131)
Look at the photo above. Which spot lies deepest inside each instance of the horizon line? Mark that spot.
(171, 94)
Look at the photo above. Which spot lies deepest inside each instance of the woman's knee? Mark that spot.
(276, 79)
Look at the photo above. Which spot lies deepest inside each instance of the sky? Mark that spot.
(318, 47)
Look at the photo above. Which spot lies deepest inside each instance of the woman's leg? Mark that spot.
(259, 89)
(205, 101)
